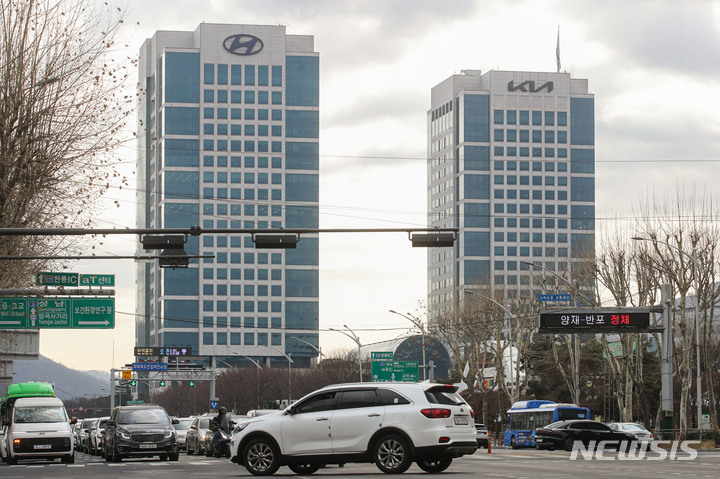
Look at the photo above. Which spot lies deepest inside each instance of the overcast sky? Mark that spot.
(652, 65)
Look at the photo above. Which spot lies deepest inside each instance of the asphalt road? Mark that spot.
(502, 463)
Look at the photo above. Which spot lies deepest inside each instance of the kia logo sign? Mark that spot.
(243, 44)
(529, 86)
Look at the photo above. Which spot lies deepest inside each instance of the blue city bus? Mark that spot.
(526, 416)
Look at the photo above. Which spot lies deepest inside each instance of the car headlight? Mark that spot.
(202, 437)
(240, 427)
(169, 434)
(124, 435)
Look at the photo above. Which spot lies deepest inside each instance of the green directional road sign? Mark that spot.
(57, 279)
(13, 313)
(57, 312)
(97, 280)
(384, 371)
(93, 313)
(385, 355)
(50, 312)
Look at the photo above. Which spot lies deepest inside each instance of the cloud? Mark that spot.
(682, 37)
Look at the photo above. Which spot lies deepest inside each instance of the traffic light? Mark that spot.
(133, 383)
(192, 383)
(162, 383)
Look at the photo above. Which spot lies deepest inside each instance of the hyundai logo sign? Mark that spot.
(241, 44)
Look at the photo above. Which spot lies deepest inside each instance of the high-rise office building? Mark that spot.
(228, 139)
(512, 164)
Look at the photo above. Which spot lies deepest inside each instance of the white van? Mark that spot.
(38, 427)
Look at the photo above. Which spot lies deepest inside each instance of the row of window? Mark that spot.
(248, 322)
(261, 75)
(249, 97)
(523, 117)
(239, 130)
(535, 180)
(242, 162)
(246, 274)
(247, 146)
(261, 290)
(238, 339)
(525, 136)
(525, 152)
(511, 165)
(248, 177)
(249, 114)
(524, 251)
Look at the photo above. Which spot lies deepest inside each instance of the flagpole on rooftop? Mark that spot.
(557, 50)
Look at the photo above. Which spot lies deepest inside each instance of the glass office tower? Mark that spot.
(512, 165)
(228, 138)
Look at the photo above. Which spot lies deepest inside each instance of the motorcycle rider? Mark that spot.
(220, 423)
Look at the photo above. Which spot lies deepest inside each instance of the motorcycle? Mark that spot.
(223, 445)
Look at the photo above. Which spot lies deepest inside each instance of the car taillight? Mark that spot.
(436, 413)
(472, 413)
(651, 435)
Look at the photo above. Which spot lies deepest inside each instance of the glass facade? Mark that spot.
(500, 172)
(227, 143)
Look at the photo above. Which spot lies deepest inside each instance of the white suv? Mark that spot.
(389, 424)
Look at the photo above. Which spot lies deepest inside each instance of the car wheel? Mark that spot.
(163, 457)
(188, 451)
(208, 452)
(174, 456)
(392, 455)
(116, 455)
(568, 444)
(68, 459)
(438, 465)
(12, 461)
(261, 457)
(304, 468)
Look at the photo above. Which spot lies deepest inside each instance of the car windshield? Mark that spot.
(40, 414)
(143, 416)
(633, 427)
(102, 423)
(183, 425)
(204, 424)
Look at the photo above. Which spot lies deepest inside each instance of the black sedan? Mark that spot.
(563, 434)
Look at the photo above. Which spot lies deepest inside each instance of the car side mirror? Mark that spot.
(6, 421)
(233, 423)
(73, 420)
(175, 421)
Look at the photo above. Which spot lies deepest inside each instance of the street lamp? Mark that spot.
(696, 266)
(290, 361)
(257, 364)
(512, 317)
(316, 348)
(576, 341)
(355, 338)
(418, 324)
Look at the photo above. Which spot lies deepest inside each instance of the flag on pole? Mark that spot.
(557, 50)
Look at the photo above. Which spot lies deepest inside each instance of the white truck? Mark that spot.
(37, 427)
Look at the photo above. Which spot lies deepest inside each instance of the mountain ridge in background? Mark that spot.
(69, 383)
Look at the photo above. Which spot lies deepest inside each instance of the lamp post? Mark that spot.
(509, 329)
(257, 364)
(696, 266)
(316, 348)
(576, 342)
(290, 361)
(419, 325)
(355, 338)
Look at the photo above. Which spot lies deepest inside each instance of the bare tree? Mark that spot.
(62, 109)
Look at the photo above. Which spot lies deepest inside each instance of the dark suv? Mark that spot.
(140, 431)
